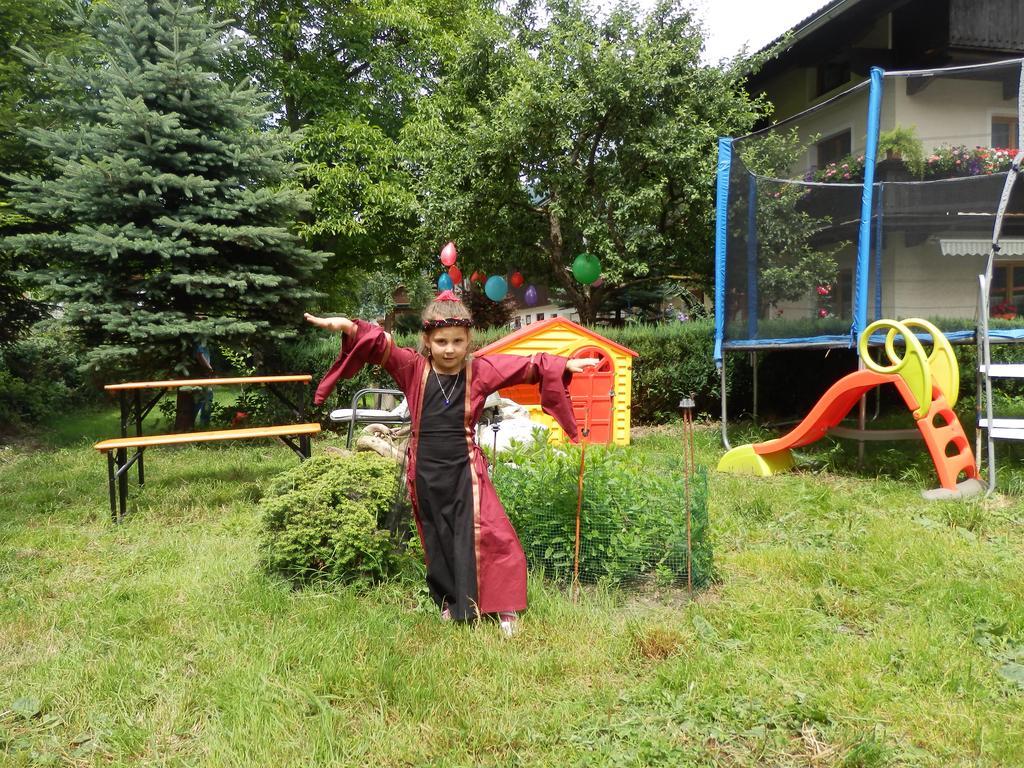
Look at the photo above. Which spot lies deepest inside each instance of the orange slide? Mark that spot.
(923, 382)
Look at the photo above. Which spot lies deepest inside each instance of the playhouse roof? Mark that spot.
(544, 325)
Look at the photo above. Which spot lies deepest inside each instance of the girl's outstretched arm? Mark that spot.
(332, 324)
(580, 364)
(362, 343)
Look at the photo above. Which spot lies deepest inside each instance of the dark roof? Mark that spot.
(805, 26)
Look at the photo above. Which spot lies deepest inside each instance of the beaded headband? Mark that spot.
(448, 322)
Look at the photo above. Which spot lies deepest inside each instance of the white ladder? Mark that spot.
(994, 428)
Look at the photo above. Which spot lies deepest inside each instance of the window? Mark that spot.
(1004, 132)
(1007, 287)
(529, 319)
(833, 148)
(831, 75)
(540, 316)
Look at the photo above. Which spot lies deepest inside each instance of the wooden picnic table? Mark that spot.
(132, 409)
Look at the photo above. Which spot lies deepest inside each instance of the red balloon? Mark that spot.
(478, 277)
(449, 254)
(516, 280)
(455, 274)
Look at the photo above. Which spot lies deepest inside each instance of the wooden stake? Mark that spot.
(579, 510)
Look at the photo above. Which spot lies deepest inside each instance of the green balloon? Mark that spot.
(586, 268)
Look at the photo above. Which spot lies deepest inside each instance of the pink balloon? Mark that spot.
(597, 283)
(449, 254)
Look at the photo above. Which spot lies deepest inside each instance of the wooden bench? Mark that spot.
(116, 449)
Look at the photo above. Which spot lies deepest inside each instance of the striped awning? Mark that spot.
(1009, 248)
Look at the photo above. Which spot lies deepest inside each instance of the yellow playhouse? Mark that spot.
(601, 394)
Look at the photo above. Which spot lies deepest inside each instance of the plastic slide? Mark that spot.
(929, 386)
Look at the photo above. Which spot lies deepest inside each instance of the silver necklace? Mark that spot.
(447, 396)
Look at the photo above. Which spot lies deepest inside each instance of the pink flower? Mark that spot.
(822, 313)
(823, 290)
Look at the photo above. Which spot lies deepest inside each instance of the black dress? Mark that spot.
(444, 492)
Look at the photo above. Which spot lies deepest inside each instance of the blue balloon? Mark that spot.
(496, 288)
(444, 283)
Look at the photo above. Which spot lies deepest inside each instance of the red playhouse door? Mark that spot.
(592, 393)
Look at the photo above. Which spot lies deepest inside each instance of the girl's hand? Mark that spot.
(578, 365)
(332, 324)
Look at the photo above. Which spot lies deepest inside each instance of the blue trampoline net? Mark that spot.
(818, 241)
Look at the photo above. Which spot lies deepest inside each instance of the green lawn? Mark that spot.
(853, 624)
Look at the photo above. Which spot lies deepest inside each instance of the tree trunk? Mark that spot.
(185, 411)
(579, 298)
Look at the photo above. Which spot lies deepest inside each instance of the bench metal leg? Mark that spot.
(302, 449)
(110, 485)
(138, 432)
(122, 482)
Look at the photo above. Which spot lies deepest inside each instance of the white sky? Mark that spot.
(732, 23)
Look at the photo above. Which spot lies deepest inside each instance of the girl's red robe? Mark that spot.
(500, 562)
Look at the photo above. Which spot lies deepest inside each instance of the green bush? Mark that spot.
(633, 523)
(324, 520)
(38, 377)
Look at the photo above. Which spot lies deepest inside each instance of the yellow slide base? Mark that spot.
(743, 461)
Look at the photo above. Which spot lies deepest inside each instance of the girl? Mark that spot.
(475, 564)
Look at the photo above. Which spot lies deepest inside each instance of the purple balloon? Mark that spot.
(530, 296)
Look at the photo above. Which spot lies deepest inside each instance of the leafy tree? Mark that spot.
(348, 72)
(25, 101)
(794, 256)
(166, 219)
(560, 131)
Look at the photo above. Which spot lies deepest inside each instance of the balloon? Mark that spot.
(477, 277)
(444, 283)
(586, 268)
(455, 274)
(516, 280)
(598, 283)
(531, 295)
(449, 254)
(495, 288)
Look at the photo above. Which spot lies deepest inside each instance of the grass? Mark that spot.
(853, 625)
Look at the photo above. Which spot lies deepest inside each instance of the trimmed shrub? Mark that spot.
(323, 520)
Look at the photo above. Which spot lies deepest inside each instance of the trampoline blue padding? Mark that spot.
(877, 340)
(837, 340)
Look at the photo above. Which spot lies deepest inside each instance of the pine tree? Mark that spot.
(167, 206)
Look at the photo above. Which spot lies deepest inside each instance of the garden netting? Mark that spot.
(820, 239)
(633, 521)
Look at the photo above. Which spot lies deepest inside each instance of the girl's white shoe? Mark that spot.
(509, 623)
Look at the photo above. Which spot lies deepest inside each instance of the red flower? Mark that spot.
(822, 313)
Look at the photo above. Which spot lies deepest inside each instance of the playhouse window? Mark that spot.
(1004, 132)
(1007, 284)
